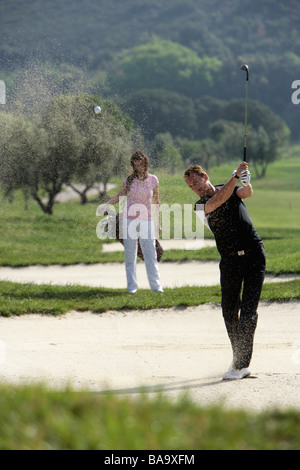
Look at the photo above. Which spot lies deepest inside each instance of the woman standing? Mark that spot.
(141, 190)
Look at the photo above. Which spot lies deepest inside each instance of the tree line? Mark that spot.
(208, 131)
(67, 142)
(144, 45)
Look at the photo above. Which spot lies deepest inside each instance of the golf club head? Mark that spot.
(246, 69)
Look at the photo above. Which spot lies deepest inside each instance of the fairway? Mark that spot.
(275, 213)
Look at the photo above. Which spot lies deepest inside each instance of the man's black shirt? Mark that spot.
(231, 225)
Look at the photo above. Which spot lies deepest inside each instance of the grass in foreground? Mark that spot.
(19, 299)
(34, 418)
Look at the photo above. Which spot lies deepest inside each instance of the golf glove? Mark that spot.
(245, 178)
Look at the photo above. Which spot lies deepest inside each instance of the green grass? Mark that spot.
(20, 299)
(29, 237)
(34, 418)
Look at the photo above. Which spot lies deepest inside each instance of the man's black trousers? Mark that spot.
(242, 279)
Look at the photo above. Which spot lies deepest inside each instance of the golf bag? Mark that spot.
(111, 228)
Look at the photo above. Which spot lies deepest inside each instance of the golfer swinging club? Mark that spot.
(243, 258)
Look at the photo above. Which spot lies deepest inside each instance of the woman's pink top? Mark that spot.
(140, 197)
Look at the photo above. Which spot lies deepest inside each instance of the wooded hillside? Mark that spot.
(97, 35)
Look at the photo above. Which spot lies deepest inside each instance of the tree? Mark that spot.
(263, 149)
(259, 115)
(199, 152)
(57, 166)
(262, 146)
(23, 150)
(208, 110)
(106, 139)
(228, 136)
(39, 160)
(269, 132)
(170, 66)
(41, 154)
(165, 153)
(161, 111)
(105, 153)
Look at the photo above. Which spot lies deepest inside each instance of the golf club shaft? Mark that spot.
(246, 69)
(246, 123)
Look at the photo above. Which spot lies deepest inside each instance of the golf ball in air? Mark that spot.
(97, 110)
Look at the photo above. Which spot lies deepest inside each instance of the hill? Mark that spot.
(90, 35)
(95, 30)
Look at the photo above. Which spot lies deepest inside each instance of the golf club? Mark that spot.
(246, 69)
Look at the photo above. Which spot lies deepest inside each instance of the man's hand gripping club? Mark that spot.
(246, 178)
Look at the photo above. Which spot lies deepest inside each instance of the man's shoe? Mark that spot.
(237, 374)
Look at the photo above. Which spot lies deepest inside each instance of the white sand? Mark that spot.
(175, 350)
(112, 275)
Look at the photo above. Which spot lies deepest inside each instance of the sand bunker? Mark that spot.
(174, 350)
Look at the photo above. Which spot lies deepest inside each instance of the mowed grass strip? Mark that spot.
(20, 299)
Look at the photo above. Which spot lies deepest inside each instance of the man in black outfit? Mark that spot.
(243, 258)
